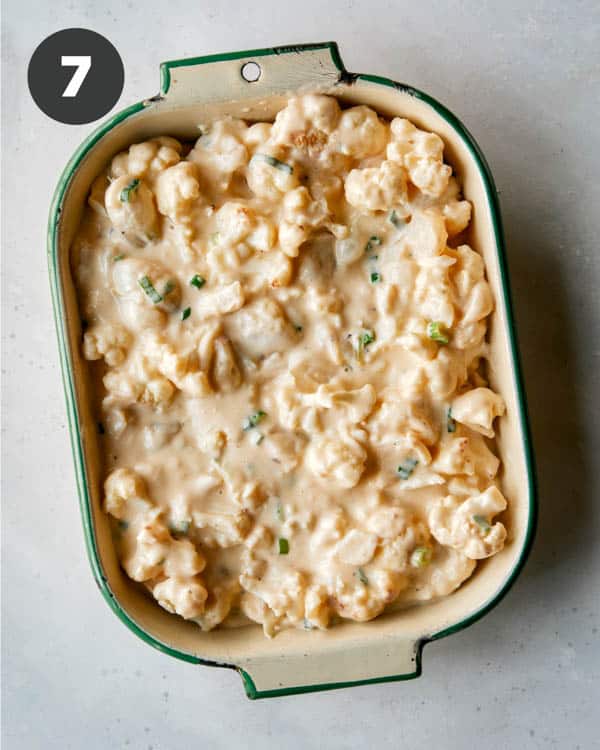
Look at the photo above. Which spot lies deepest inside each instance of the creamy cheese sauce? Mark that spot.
(288, 339)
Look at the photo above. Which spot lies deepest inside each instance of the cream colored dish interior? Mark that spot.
(349, 651)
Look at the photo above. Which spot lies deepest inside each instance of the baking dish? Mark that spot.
(388, 648)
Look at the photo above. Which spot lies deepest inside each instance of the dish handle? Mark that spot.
(284, 673)
(250, 74)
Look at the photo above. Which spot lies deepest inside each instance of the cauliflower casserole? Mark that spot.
(289, 343)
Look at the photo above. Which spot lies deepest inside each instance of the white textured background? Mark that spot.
(525, 78)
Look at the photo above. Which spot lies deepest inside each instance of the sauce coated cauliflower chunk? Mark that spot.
(467, 524)
(287, 334)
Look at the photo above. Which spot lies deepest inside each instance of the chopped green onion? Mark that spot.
(375, 277)
(169, 286)
(125, 194)
(437, 332)
(123, 525)
(117, 258)
(483, 524)
(373, 257)
(366, 338)
(253, 420)
(197, 281)
(397, 220)
(373, 242)
(279, 512)
(450, 421)
(186, 313)
(360, 574)
(148, 287)
(273, 162)
(284, 546)
(406, 469)
(421, 557)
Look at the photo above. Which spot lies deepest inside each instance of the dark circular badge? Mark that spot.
(75, 76)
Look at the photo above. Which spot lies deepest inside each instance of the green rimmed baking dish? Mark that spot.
(386, 649)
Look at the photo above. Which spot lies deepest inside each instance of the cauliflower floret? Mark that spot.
(339, 458)
(147, 159)
(356, 548)
(176, 189)
(183, 560)
(225, 374)
(221, 152)
(146, 290)
(144, 550)
(466, 524)
(360, 133)
(352, 406)
(124, 490)
(457, 215)
(398, 417)
(238, 223)
(221, 300)
(422, 155)
(285, 449)
(362, 601)
(300, 214)
(477, 409)
(260, 329)
(306, 122)
(281, 589)
(376, 188)
(466, 455)
(449, 568)
(316, 607)
(256, 610)
(108, 341)
(270, 176)
(425, 234)
(185, 597)
(222, 530)
(218, 605)
(131, 209)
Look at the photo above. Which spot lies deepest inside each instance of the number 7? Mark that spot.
(83, 63)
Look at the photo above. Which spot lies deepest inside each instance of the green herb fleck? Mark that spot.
(125, 195)
(375, 277)
(397, 220)
(273, 162)
(407, 467)
(253, 420)
(450, 421)
(117, 258)
(197, 281)
(186, 313)
(284, 546)
(148, 287)
(437, 332)
(483, 524)
(279, 512)
(360, 574)
(365, 338)
(373, 242)
(421, 557)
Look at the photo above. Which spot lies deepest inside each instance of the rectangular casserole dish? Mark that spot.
(388, 648)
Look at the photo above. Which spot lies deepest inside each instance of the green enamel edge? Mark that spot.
(165, 67)
(69, 387)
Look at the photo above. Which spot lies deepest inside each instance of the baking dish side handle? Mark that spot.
(286, 672)
(250, 74)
